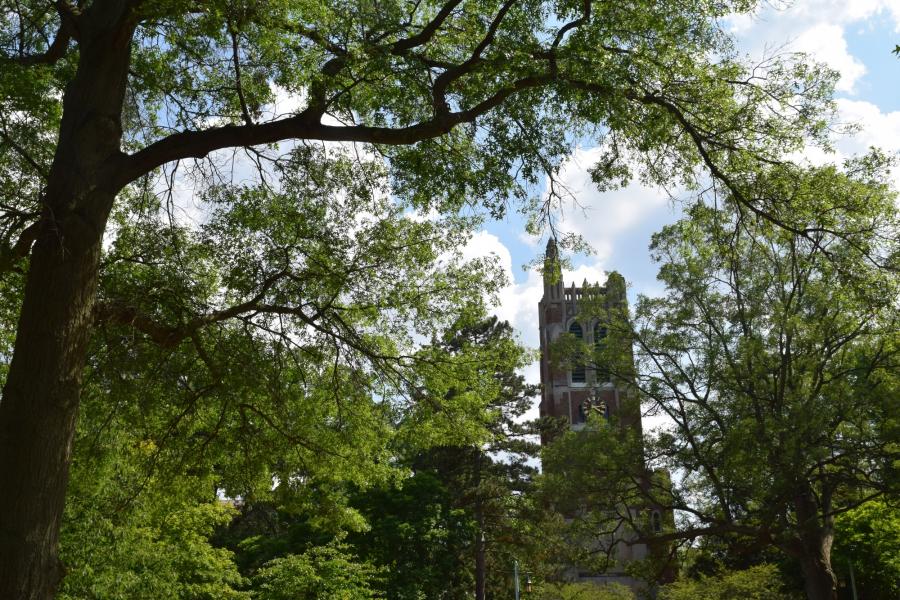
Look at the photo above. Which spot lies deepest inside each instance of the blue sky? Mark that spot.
(854, 37)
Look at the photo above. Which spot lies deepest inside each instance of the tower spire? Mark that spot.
(552, 271)
(552, 252)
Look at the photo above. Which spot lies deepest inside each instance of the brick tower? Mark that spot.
(598, 383)
(588, 313)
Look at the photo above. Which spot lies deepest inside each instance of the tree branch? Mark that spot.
(25, 155)
(168, 336)
(443, 80)
(427, 32)
(196, 144)
(235, 57)
(57, 49)
(9, 255)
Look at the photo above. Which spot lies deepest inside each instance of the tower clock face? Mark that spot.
(594, 403)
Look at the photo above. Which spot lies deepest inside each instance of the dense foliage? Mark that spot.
(867, 540)
(227, 227)
(773, 356)
(146, 516)
(761, 582)
(583, 591)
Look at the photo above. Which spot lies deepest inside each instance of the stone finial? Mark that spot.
(552, 250)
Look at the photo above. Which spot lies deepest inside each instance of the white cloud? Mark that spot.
(816, 27)
(600, 216)
(286, 103)
(825, 41)
(876, 128)
(618, 224)
(789, 15)
(532, 241)
(517, 301)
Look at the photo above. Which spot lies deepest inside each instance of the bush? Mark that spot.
(583, 591)
(761, 582)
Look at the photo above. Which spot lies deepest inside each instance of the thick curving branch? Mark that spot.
(67, 31)
(305, 126)
(427, 32)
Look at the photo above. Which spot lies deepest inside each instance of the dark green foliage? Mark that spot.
(582, 591)
(420, 527)
(420, 537)
(868, 538)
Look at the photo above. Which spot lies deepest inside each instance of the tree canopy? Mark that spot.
(773, 357)
(313, 136)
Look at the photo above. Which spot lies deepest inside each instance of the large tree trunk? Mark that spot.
(37, 415)
(480, 564)
(40, 399)
(814, 548)
(818, 579)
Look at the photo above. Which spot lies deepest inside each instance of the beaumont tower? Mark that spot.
(591, 371)
(599, 382)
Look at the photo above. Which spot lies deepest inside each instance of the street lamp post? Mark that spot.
(516, 579)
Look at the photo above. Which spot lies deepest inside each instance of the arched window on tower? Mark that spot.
(656, 521)
(578, 371)
(599, 337)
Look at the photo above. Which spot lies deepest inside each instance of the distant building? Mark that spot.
(572, 388)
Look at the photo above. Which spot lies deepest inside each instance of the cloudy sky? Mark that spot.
(854, 37)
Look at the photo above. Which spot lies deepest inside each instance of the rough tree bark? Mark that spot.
(814, 549)
(41, 394)
(819, 581)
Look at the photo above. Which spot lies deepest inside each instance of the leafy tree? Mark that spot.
(773, 357)
(868, 537)
(484, 486)
(155, 555)
(419, 537)
(425, 528)
(159, 422)
(326, 573)
(104, 102)
(134, 526)
(715, 556)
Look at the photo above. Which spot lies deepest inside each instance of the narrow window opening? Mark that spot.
(603, 374)
(579, 373)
